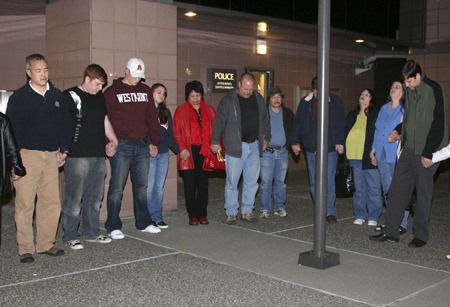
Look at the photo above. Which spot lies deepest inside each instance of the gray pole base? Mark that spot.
(326, 261)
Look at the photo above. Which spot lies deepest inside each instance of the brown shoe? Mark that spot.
(54, 251)
(331, 219)
(203, 220)
(249, 217)
(26, 258)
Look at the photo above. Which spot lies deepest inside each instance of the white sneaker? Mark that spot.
(151, 229)
(448, 256)
(116, 234)
(264, 214)
(281, 213)
(359, 222)
(75, 244)
(372, 223)
(100, 239)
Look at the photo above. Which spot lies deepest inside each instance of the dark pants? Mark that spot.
(409, 174)
(196, 186)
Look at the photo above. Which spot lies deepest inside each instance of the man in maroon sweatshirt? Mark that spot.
(131, 111)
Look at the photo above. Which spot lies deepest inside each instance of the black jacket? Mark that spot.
(10, 155)
(40, 122)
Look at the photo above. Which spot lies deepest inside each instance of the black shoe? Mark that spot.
(416, 243)
(331, 219)
(383, 238)
(401, 230)
(26, 258)
(54, 252)
(162, 225)
(380, 227)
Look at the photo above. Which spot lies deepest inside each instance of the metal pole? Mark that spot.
(323, 68)
(319, 258)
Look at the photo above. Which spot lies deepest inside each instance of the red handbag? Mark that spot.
(214, 162)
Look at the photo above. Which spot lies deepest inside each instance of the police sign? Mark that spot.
(221, 80)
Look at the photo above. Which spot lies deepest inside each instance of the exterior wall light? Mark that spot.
(261, 46)
(262, 26)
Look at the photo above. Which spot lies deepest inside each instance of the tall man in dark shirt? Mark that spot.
(243, 122)
(423, 132)
(40, 120)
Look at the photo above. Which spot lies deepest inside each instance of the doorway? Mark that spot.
(263, 79)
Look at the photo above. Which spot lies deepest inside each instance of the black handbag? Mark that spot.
(344, 178)
(7, 186)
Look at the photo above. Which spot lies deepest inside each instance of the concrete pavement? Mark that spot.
(251, 264)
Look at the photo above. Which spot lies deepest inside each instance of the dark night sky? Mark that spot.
(374, 17)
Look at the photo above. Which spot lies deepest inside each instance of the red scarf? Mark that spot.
(205, 128)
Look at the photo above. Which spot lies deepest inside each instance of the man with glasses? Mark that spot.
(275, 159)
(243, 122)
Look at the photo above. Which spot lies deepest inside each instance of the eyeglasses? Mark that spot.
(277, 96)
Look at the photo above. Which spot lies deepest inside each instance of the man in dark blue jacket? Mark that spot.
(40, 119)
(305, 133)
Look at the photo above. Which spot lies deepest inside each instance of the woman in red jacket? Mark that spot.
(192, 128)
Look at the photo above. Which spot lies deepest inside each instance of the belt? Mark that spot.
(271, 149)
(251, 141)
(276, 147)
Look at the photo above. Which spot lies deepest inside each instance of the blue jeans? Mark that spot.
(248, 165)
(132, 157)
(274, 168)
(156, 179)
(367, 192)
(387, 172)
(331, 186)
(83, 193)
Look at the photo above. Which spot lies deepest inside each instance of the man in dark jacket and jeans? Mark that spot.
(305, 133)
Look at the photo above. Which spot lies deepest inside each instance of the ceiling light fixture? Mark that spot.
(190, 14)
(359, 41)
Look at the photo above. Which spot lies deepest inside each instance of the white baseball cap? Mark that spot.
(136, 67)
